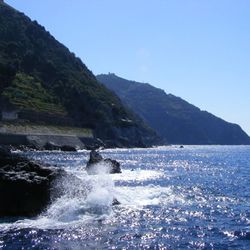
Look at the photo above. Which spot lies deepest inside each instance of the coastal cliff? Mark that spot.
(174, 119)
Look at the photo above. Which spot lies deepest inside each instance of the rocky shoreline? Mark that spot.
(27, 187)
(58, 142)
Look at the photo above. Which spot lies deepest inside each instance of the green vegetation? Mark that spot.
(30, 56)
(26, 93)
(41, 76)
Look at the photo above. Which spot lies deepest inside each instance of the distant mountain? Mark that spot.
(177, 121)
(46, 83)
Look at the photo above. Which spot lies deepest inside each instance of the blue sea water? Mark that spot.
(197, 197)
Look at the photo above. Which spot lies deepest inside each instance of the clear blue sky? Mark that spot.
(196, 49)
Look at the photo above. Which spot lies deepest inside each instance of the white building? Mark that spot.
(9, 115)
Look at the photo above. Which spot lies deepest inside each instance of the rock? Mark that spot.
(68, 148)
(94, 157)
(97, 164)
(115, 166)
(115, 202)
(92, 143)
(25, 186)
(51, 146)
(4, 150)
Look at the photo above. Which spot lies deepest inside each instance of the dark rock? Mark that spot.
(115, 202)
(94, 157)
(68, 148)
(4, 150)
(55, 142)
(181, 146)
(97, 164)
(115, 166)
(25, 186)
(23, 148)
(92, 143)
(51, 146)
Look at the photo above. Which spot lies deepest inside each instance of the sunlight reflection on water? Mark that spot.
(196, 197)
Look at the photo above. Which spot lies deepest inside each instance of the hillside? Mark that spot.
(177, 121)
(47, 84)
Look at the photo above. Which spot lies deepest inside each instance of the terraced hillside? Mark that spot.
(48, 84)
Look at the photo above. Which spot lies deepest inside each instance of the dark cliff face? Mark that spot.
(47, 83)
(177, 121)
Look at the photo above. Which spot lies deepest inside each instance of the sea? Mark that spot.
(196, 197)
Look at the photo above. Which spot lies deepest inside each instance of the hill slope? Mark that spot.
(48, 84)
(176, 120)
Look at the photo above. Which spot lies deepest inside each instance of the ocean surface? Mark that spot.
(196, 197)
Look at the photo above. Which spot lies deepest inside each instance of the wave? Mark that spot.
(89, 197)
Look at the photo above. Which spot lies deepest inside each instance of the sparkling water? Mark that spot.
(196, 197)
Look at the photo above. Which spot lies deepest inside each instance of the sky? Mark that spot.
(196, 49)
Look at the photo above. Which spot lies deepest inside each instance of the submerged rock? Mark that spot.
(97, 164)
(25, 186)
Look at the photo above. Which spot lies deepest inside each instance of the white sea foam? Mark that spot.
(91, 198)
(80, 202)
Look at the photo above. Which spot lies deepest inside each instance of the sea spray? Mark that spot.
(82, 195)
(176, 199)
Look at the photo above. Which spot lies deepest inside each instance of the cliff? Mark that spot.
(176, 120)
